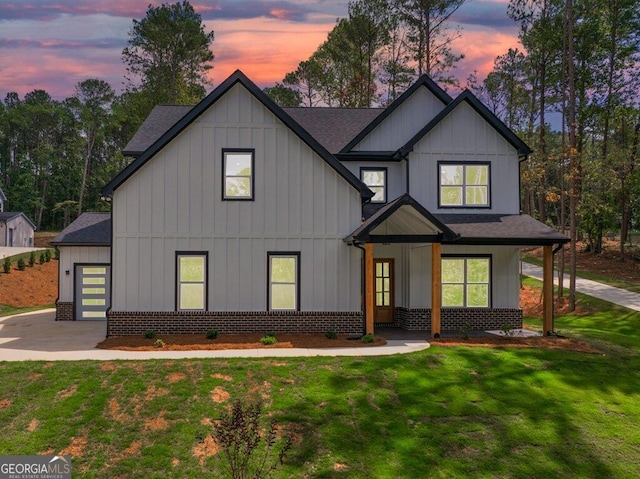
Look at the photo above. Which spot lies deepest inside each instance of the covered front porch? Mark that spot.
(404, 249)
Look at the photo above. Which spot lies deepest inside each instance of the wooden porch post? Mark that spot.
(369, 295)
(547, 290)
(436, 288)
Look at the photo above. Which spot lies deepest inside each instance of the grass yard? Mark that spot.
(446, 412)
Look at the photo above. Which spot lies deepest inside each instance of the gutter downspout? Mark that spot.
(363, 288)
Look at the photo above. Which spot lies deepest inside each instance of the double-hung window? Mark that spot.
(464, 185)
(284, 278)
(466, 282)
(238, 169)
(191, 273)
(376, 180)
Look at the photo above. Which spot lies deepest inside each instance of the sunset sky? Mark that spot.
(54, 44)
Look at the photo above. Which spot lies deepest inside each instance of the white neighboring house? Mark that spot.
(239, 215)
(16, 230)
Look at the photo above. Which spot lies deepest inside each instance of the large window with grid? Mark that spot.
(466, 282)
(464, 185)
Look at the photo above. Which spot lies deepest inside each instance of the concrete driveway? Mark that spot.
(37, 336)
(14, 250)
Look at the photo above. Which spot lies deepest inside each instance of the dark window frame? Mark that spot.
(490, 284)
(225, 151)
(386, 181)
(296, 255)
(177, 281)
(464, 164)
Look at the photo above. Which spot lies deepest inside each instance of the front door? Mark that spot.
(92, 291)
(384, 290)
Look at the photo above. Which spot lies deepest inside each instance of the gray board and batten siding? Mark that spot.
(174, 203)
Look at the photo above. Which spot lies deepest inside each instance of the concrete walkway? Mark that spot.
(36, 336)
(605, 292)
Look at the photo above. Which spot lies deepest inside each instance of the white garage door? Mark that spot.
(92, 291)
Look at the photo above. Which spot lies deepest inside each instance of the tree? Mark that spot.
(92, 102)
(429, 36)
(168, 55)
(284, 95)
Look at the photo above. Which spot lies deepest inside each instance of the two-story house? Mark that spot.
(239, 215)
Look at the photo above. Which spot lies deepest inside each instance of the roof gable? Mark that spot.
(401, 220)
(215, 95)
(9, 215)
(468, 97)
(423, 82)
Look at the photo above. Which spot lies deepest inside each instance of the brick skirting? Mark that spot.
(129, 323)
(454, 319)
(64, 312)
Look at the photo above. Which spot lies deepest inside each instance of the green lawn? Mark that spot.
(442, 413)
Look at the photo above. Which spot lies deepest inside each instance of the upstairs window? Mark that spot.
(464, 185)
(376, 180)
(238, 172)
(466, 282)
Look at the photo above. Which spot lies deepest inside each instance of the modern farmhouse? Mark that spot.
(239, 215)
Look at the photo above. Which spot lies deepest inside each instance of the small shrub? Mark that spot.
(43, 258)
(367, 338)
(159, 343)
(507, 330)
(149, 334)
(331, 335)
(32, 259)
(248, 447)
(268, 339)
(21, 265)
(6, 266)
(212, 334)
(56, 253)
(465, 330)
(47, 255)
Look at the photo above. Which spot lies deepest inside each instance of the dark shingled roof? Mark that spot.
(89, 229)
(9, 215)
(333, 127)
(161, 118)
(488, 229)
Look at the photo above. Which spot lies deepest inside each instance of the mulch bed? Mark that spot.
(185, 342)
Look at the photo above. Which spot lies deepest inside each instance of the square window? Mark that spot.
(191, 281)
(464, 185)
(376, 180)
(238, 172)
(283, 281)
(466, 282)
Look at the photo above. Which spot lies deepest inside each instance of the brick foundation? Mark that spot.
(64, 312)
(190, 322)
(454, 319)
